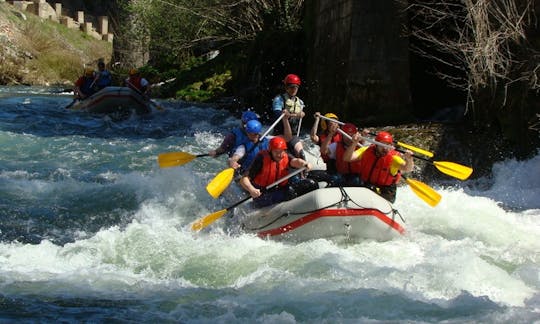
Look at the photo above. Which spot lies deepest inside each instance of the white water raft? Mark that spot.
(341, 214)
(114, 100)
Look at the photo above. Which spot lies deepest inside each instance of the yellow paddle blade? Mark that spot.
(415, 149)
(425, 192)
(207, 220)
(455, 170)
(170, 159)
(220, 182)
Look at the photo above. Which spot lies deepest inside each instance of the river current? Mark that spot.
(92, 230)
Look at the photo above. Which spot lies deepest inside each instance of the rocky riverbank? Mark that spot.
(35, 51)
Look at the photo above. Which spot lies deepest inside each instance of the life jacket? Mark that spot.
(252, 149)
(240, 138)
(342, 166)
(134, 82)
(105, 79)
(272, 170)
(292, 104)
(336, 138)
(85, 85)
(376, 170)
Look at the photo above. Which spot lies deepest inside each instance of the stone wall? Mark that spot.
(359, 60)
(44, 10)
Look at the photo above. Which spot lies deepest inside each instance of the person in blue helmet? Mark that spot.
(244, 154)
(238, 136)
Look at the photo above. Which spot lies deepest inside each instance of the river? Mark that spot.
(92, 230)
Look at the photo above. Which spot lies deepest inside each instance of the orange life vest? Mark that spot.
(272, 170)
(376, 170)
(342, 166)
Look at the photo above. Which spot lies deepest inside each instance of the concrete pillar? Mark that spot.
(58, 9)
(103, 27)
(108, 37)
(68, 22)
(80, 17)
(87, 28)
(21, 5)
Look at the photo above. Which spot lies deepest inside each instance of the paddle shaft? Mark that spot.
(367, 139)
(158, 107)
(209, 219)
(410, 147)
(72, 103)
(265, 133)
(273, 184)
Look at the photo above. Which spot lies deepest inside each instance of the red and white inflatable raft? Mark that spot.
(341, 214)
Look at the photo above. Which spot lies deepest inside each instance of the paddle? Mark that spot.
(171, 159)
(155, 104)
(72, 103)
(422, 190)
(210, 218)
(452, 169)
(406, 146)
(223, 179)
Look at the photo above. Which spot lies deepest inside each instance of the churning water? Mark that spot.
(91, 229)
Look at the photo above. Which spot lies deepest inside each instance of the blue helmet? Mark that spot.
(249, 115)
(253, 127)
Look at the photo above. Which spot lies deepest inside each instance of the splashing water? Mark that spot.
(91, 229)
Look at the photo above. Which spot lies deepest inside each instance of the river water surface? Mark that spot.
(91, 229)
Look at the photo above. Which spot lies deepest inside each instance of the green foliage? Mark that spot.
(209, 88)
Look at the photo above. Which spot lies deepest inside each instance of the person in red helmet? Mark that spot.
(346, 173)
(380, 165)
(269, 166)
(290, 102)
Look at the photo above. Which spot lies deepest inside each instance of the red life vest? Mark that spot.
(272, 170)
(376, 170)
(134, 81)
(335, 138)
(342, 166)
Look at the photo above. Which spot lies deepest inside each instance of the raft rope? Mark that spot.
(344, 199)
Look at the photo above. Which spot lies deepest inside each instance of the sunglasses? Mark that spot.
(290, 86)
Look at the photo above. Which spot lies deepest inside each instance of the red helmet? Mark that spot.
(349, 129)
(292, 79)
(277, 143)
(384, 137)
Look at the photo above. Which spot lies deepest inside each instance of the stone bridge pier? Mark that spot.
(359, 60)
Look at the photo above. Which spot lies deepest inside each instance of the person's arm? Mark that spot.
(249, 174)
(237, 156)
(313, 134)
(277, 106)
(287, 131)
(145, 86)
(326, 143)
(298, 163)
(408, 166)
(350, 154)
